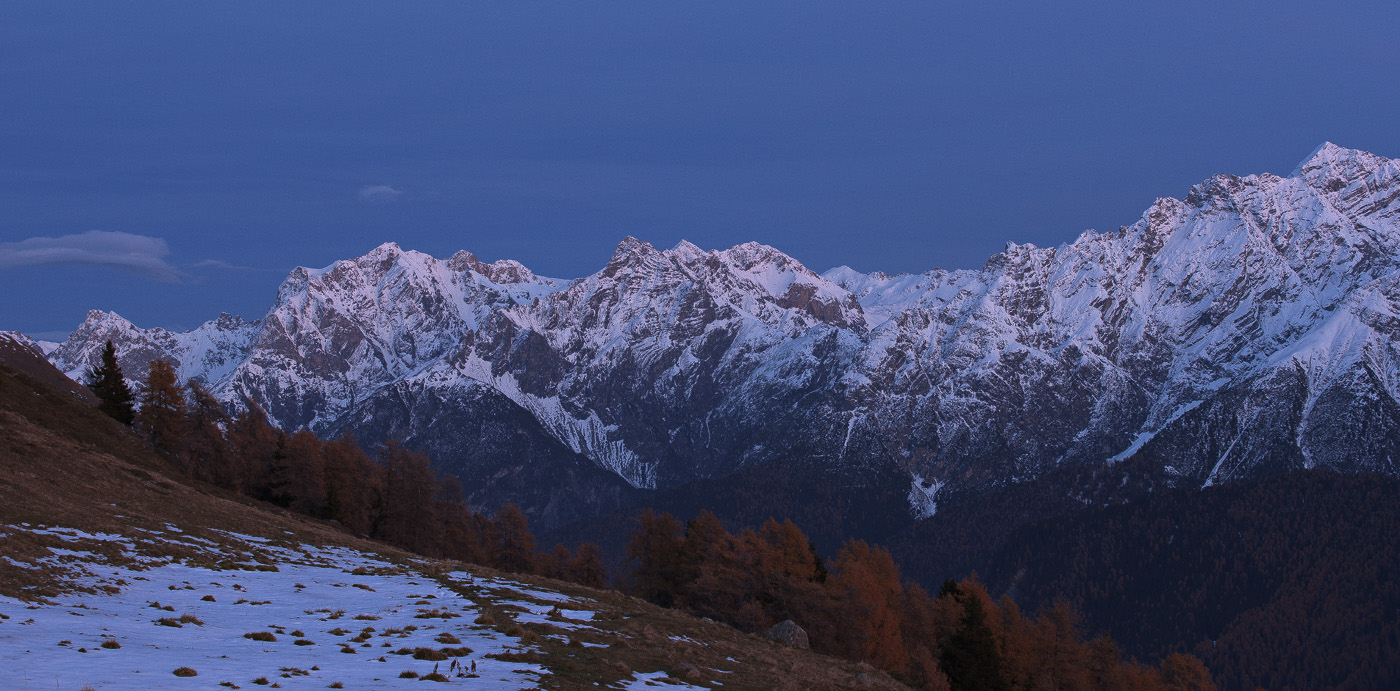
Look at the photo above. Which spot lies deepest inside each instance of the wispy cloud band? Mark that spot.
(220, 264)
(138, 254)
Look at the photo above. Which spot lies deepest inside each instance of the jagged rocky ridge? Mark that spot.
(1247, 329)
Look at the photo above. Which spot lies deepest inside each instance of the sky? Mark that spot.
(171, 161)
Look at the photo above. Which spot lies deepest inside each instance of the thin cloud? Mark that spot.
(139, 254)
(220, 264)
(380, 193)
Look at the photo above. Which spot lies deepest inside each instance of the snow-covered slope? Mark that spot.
(1247, 328)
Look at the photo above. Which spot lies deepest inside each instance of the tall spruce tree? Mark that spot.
(109, 385)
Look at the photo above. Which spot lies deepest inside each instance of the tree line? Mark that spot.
(394, 496)
(858, 607)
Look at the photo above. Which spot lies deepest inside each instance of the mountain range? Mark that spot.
(1242, 331)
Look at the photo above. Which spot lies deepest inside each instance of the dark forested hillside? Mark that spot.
(1285, 582)
(969, 529)
(1289, 582)
(828, 511)
(857, 606)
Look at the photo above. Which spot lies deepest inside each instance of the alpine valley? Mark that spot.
(1241, 332)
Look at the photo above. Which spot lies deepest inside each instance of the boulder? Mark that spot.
(788, 633)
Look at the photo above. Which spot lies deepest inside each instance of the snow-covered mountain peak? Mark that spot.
(501, 271)
(206, 353)
(389, 248)
(97, 318)
(228, 321)
(631, 247)
(687, 251)
(756, 271)
(509, 271)
(1330, 161)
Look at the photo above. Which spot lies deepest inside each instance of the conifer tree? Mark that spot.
(254, 442)
(408, 516)
(587, 567)
(162, 415)
(210, 458)
(555, 562)
(109, 385)
(971, 659)
(655, 545)
(353, 485)
(867, 581)
(517, 546)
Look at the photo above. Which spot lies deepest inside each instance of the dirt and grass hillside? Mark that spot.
(118, 572)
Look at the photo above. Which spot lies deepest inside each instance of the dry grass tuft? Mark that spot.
(428, 654)
(408, 674)
(436, 614)
(265, 636)
(111, 644)
(185, 672)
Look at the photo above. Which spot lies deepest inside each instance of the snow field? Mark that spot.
(334, 615)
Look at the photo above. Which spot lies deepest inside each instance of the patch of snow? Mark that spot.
(923, 497)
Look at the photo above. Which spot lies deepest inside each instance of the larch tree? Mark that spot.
(254, 441)
(867, 581)
(353, 485)
(408, 515)
(656, 547)
(517, 546)
(162, 418)
(210, 458)
(587, 567)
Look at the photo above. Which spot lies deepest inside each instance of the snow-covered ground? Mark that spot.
(333, 615)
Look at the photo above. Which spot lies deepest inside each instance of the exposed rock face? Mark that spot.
(1246, 329)
(788, 633)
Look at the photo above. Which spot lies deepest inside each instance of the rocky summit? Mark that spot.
(1246, 329)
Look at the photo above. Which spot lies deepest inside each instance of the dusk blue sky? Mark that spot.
(214, 146)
